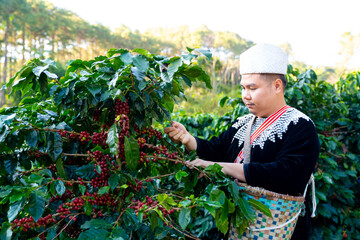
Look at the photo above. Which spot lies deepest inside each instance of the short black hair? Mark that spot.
(282, 77)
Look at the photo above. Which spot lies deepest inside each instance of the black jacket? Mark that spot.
(282, 157)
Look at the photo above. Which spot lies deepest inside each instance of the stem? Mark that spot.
(64, 227)
(159, 176)
(182, 162)
(186, 234)
(76, 154)
(117, 220)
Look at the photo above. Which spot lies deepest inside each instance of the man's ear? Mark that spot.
(278, 85)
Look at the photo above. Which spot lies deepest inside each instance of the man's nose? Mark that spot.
(245, 94)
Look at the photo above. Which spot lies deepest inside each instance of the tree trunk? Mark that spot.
(23, 46)
(2, 92)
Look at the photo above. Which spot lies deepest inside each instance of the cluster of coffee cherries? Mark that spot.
(72, 230)
(137, 187)
(159, 150)
(106, 199)
(67, 195)
(65, 134)
(35, 153)
(100, 139)
(149, 203)
(148, 131)
(52, 167)
(25, 224)
(103, 177)
(123, 121)
(97, 114)
(121, 107)
(84, 137)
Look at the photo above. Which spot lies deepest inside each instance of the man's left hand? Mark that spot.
(199, 163)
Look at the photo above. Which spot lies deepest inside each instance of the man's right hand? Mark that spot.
(178, 133)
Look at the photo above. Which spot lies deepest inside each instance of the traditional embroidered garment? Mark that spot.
(282, 157)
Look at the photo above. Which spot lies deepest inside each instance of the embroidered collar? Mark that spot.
(277, 129)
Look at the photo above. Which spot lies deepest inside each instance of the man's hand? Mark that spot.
(199, 163)
(178, 133)
(235, 170)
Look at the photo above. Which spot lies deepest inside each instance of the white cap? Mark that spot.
(263, 58)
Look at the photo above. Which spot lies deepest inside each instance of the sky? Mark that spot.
(313, 28)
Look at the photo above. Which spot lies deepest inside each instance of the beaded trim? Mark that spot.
(277, 129)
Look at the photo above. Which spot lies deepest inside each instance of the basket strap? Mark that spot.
(247, 143)
(313, 199)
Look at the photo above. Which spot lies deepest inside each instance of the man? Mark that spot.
(283, 147)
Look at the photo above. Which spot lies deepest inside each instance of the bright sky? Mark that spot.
(312, 27)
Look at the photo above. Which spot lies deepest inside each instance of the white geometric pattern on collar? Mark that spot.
(276, 129)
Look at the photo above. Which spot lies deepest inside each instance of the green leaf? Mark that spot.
(114, 180)
(126, 57)
(218, 195)
(153, 220)
(94, 89)
(140, 77)
(205, 52)
(6, 232)
(261, 207)
(98, 169)
(142, 52)
(222, 101)
(38, 70)
(4, 134)
(96, 223)
(94, 234)
(221, 224)
(174, 66)
(186, 80)
(119, 234)
(234, 190)
(10, 165)
(86, 172)
(141, 63)
(32, 138)
(4, 192)
(51, 75)
(180, 174)
(88, 207)
(185, 203)
(113, 139)
(54, 145)
(36, 205)
(246, 209)
(43, 83)
(132, 152)
(184, 217)
(190, 49)
(321, 196)
(60, 168)
(60, 187)
(14, 209)
(104, 190)
(82, 189)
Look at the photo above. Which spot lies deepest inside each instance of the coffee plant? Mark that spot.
(80, 158)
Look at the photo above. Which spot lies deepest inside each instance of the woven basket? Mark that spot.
(285, 211)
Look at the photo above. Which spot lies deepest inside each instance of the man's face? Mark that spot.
(258, 94)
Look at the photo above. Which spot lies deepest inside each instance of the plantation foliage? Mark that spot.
(335, 110)
(79, 158)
